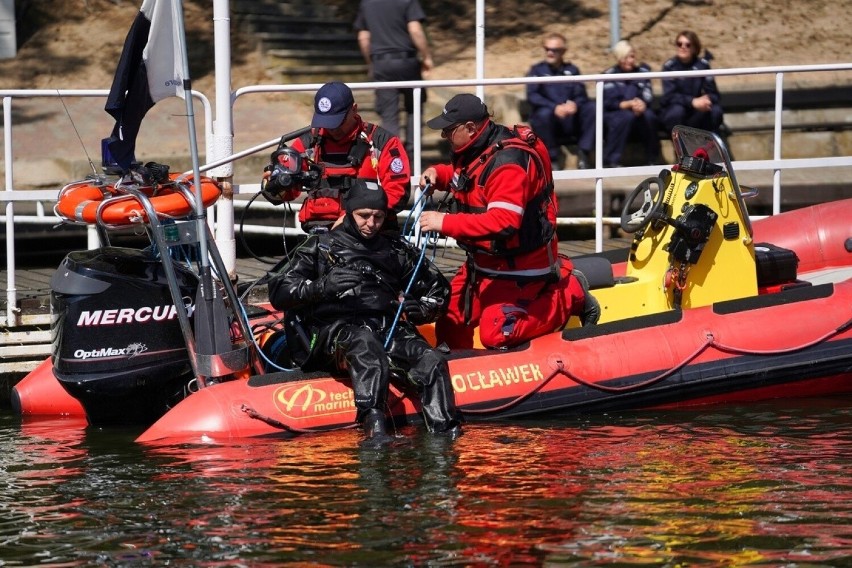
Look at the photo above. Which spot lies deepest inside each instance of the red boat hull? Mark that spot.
(819, 234)
(719, 353)
(40, 394)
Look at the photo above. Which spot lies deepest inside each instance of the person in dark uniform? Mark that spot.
(627, 109)
(558, 110)
(395, 47)
(341, 292)
(692, 101)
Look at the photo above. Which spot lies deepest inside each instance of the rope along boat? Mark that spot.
(709, 307)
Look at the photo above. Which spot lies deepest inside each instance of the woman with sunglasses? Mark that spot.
(693, 101)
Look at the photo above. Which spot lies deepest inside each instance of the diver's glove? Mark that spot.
(420, 310)
(336, 283)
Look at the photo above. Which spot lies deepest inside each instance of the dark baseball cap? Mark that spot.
(331, 103)
(458, 110)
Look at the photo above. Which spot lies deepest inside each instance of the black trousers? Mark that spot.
(369, 365)
(387, 100)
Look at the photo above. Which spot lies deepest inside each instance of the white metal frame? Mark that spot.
(10, 195)
(219, 142)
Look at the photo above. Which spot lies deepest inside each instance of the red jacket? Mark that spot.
(507, 218)
(384, 161)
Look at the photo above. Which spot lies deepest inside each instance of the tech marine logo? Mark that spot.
(307, 400)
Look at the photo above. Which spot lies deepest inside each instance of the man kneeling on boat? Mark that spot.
(514, 285)
(341, 293)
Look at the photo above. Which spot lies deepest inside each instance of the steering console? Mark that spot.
(633, 219)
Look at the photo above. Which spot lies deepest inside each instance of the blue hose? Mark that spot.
(409, 231)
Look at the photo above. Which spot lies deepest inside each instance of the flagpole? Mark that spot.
(193, 143)
(206, 320)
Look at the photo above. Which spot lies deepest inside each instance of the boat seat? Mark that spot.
(775, 265)
(597, 270)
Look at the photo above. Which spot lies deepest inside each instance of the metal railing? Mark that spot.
(598, 175)
(44, 196)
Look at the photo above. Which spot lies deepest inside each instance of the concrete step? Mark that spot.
(318, 55)
(303, 24)
(319, 73)
(289, 40)
(275, 8)
(312, 64)
(804, 120)
(302, 42)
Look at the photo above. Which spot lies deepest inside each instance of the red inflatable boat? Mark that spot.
(710, 307)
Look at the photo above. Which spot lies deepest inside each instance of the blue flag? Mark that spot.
(149, 70)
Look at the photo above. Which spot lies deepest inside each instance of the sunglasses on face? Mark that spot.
(554, 49)
(450, 130)
(683, 44)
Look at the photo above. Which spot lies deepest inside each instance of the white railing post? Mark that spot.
(417, 132)
(480, 47)
(11, 291)
(776, 147)
(599, 140)
(223, 135)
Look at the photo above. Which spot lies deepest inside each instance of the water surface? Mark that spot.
(754, 485)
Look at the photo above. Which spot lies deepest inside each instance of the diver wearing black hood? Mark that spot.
(341, 292)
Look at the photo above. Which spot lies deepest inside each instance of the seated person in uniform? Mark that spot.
(560, 110)
(692, 101)
(627, 109)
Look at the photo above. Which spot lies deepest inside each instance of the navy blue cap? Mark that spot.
(331, 103)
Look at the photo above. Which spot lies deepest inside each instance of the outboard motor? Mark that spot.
(117, 342)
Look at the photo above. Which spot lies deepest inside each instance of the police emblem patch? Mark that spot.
(324, 104)
(396, 165)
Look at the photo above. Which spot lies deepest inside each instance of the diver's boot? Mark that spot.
(591, 307)
(374, 424)
(454, 432)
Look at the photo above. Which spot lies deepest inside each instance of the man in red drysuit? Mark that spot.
(339, 148)
(514, 285)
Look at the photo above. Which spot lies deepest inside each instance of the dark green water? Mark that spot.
(758, 485)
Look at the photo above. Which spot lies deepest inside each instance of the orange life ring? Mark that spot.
(79, 201)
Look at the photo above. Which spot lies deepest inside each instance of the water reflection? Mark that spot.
(746, 485)
(42, 456)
